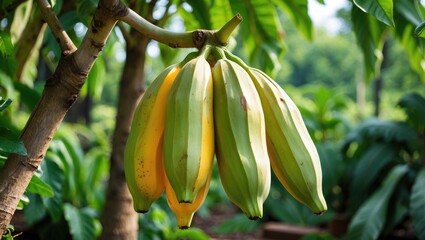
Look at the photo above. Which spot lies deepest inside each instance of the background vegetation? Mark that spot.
(360, 89)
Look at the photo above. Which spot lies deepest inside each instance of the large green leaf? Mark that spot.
(407, 18)
(369, 220)
(332, 166)
(261, 33)
(38, 186)
(386, 130)
(381, 9)
(95, 80)
(408, 10)
(53, 175)
(222, 12)
(368, 168)
(81, 225)
(370, 35)
(29, 96)
(417, 205)
(200, 9)
(35, 211)
(297, 10)
(10, 143)
(414, 105)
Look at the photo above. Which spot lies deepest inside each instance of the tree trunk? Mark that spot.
(121, 223)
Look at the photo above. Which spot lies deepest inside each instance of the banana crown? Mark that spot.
(214, 103)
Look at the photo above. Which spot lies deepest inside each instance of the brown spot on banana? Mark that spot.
(243, 103)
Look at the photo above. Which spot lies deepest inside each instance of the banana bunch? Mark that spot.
(212, 102)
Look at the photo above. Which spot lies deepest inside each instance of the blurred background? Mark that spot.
(354, 69)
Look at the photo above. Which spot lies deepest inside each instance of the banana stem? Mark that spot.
(236, 59)
(197, 38)
(172, 39)
(224, 33)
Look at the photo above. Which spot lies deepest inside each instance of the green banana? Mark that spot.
(241, 149)
(293, 155)
(189, 130)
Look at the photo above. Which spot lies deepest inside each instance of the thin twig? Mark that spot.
(52, 20)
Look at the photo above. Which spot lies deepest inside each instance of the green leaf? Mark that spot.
(369, 220)
(95, 80)
(40, 187)
(35, 211)
(191, 233)
(318, 236)
(222, 12)
(200, 9)
(10, 144)
(53, 175)
(407, 18)
(297, 10)
(29, 96)
(381, 9)
(81, 225)
(368, 168)
(370, 35)
(332, 166)
(4, 103)
(417, 205)
(420, 30)
(408, 10)
(239, 223)
(388, 131)
(414, 105)
(261, 32)
(7, 55)
(6, 45)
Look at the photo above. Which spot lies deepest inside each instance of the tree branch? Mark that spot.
(125, 33)
(52, 20)
(172, 39)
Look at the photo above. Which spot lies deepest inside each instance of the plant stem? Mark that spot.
(172, 39)
(196, 38)
(224, 33)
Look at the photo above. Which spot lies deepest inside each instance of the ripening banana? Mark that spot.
(293, 155)
(184, 211)
(143, 163)
(189, 130)
(241, 148)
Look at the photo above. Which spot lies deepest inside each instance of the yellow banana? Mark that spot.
(184, 211)
(189, 130)
(143, 163)
(293, 155)
(240, 138)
